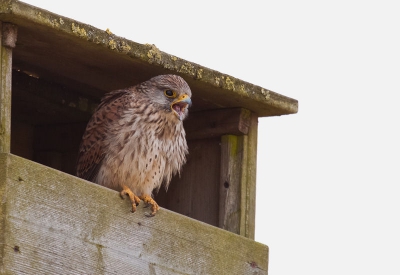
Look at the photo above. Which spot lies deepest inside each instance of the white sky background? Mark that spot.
(328, 177)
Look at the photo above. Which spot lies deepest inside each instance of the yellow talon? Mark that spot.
(132, 197)
(149, 201)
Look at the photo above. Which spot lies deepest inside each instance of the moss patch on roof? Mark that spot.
(127, 62)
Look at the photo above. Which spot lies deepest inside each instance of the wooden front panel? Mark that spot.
(59, 224)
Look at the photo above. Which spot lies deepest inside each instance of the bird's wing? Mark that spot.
(91, 152)
(94, 144)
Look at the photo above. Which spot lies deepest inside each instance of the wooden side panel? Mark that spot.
(249, 195)
(196, 192)
(8, 35)
(216, 123)
(54, 223)
(238, 181)
(233, 167)
(3, 208)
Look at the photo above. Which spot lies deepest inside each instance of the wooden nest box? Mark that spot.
(53, 72)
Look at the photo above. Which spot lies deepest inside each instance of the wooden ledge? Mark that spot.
(51, 222)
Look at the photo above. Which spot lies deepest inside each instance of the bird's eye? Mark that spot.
(170, 93)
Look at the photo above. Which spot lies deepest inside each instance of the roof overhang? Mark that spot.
(93, 61)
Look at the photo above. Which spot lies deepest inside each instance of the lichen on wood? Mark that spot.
(42, 218)
(214, 85)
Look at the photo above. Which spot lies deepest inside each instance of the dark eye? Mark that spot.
(170, 93)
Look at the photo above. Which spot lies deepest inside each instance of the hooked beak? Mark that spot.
(180, 105)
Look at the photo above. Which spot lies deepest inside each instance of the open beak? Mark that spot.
(180, 105)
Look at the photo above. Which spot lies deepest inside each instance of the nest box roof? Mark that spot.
(93, 61)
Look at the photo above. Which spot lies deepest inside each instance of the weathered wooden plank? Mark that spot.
(216, 123)
(3, 233)
(54, 223)
(238, 181)
(7, 40)
(233, 166)
(249, 178)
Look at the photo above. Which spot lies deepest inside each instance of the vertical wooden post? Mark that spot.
(232, 169)
(251, 174)
(7, 42)
(238, 181)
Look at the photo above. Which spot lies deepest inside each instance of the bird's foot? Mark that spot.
(150, 202)
(132, 197)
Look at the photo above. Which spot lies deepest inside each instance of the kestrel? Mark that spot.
(135, 140)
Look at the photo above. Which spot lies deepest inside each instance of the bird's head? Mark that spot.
(171, 92)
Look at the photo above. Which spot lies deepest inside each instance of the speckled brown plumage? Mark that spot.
(135, 140)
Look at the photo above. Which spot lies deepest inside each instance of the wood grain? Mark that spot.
(237, 202)
(8, 35)
(232, 168)
(54, 223)
(196, 192)
(251, 175)
(216, 123)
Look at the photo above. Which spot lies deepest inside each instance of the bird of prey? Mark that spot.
(135, 139)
